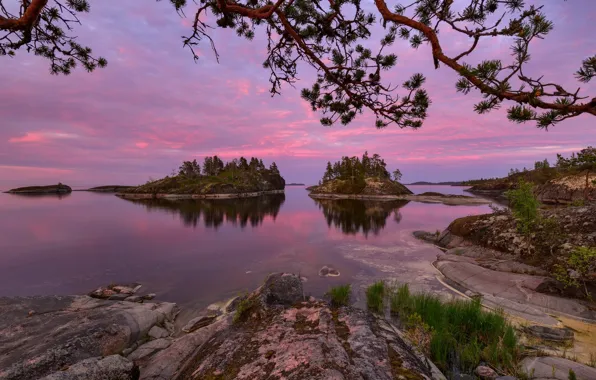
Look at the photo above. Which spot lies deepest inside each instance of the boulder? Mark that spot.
(149, 348)
(328, 271)
(199, 322)
(113, 367)
(282, 289)
(157, 332)
(485, 373)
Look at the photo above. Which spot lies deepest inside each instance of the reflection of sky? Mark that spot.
(71, 245)
(153, 106)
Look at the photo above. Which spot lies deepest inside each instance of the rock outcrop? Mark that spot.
(51, 189)
(43, 336)
(566, 190)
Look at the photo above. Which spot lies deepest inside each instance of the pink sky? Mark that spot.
(153, 107)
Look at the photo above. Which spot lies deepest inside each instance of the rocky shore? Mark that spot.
(447, 199)
(197, 196)
(274, 332)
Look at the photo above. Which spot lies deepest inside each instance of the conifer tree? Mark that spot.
(338, 40)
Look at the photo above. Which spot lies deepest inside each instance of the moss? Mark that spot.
(304, 326)
(398, 371)
(464, 226)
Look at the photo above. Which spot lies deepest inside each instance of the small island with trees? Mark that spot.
(368, 178)
(238, 178)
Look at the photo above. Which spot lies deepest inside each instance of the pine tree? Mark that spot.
(273, 168)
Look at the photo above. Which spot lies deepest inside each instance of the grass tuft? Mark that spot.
(244, 309)
(340, 295)
(375, 297)
(462, 334)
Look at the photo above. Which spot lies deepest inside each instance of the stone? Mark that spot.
(555, 334)
(66, 330)
(118, 297)
(506, 378)
(138, 299)
(149, 348)
(114, 367)
(149, 296)
(485, 372)
(550, 367)
(282, 289)
(328, 271)
(123, 289)
(199, 322)
(157, 332)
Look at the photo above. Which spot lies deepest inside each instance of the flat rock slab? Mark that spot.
(41, 335)
(548, 367)
(517, 288)
(113, 367)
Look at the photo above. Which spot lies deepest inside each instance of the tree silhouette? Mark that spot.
(334, 37)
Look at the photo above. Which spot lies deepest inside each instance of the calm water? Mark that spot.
(197, 252)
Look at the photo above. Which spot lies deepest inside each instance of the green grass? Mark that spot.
(462, 333)
(340, 295)
(375, 297)
(243, 310)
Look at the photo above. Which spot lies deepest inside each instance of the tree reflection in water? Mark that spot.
(354, 215)
(214, 212)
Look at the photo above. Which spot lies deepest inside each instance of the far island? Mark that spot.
(295, 184)
(108, 188)
(50, 189)
(368, 178)
(238, 178)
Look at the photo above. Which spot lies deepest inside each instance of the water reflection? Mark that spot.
(40, 195)
(214, 212)
(352, 216)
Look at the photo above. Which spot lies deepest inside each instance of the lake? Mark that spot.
(198, 252)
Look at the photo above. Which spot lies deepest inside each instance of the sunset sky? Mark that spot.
(153, 107)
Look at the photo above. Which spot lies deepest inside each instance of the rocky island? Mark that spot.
(368, 179)
(51, 189)
(569, 180)
(238, 178)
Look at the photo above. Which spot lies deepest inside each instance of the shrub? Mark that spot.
(243, 310)
(340, 295)
(524, 206)
(581, 261)
(375, 297)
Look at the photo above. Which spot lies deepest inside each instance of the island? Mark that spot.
(295, 184)
(569, 180)
(367, 178)
(448, 183)
(238, 178)
(50, 189)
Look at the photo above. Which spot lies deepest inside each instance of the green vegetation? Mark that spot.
(574, 271)
(458, 333)
(355, 170)
(524, 206)
(245, 307)
(236, 176)
(375, 297)
(340, 295)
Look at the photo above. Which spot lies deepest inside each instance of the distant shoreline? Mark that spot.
(447, 199)
(197, 196)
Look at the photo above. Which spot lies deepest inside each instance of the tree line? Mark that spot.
(356, 169)
(213, 166)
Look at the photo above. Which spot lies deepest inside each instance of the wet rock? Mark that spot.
(149, 296)
(485, 373)
(66, 330)
(157, 332)
(555, 334)
(113, 367)
(199, 322)
(282, 289)
(549, 367)
(328, 271)
(426, 236)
